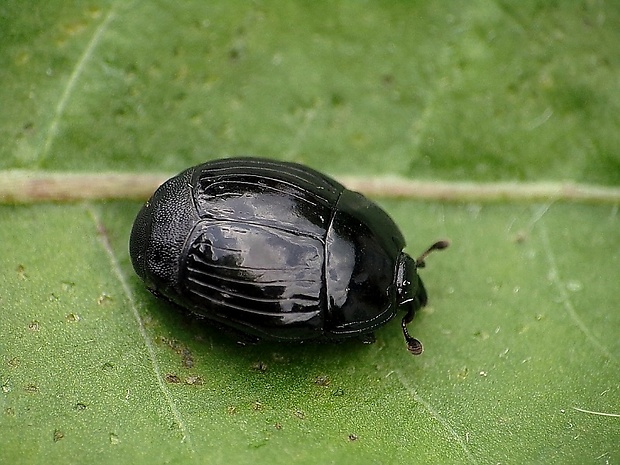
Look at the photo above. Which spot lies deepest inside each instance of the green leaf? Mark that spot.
(522, 354)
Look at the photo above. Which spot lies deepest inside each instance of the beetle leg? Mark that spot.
(241, 338)
(413, 345)
(246, 340)
(368, 338)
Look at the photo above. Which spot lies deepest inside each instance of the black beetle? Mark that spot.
(276, 250)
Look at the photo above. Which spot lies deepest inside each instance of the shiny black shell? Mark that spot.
(274, 250)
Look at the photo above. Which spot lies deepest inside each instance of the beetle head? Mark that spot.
(411, 292)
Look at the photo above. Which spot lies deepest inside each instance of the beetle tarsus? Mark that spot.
(368, 338)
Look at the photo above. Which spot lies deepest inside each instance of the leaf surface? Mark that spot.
(521, 361)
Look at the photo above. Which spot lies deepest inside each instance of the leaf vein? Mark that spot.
(75, 75)
(561, 287)
(437, 416)
(116, 268)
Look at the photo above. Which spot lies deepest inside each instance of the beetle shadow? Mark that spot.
(187, 333)
(233, 343)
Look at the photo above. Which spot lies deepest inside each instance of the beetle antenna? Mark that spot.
(439, 245)
(413, 345)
